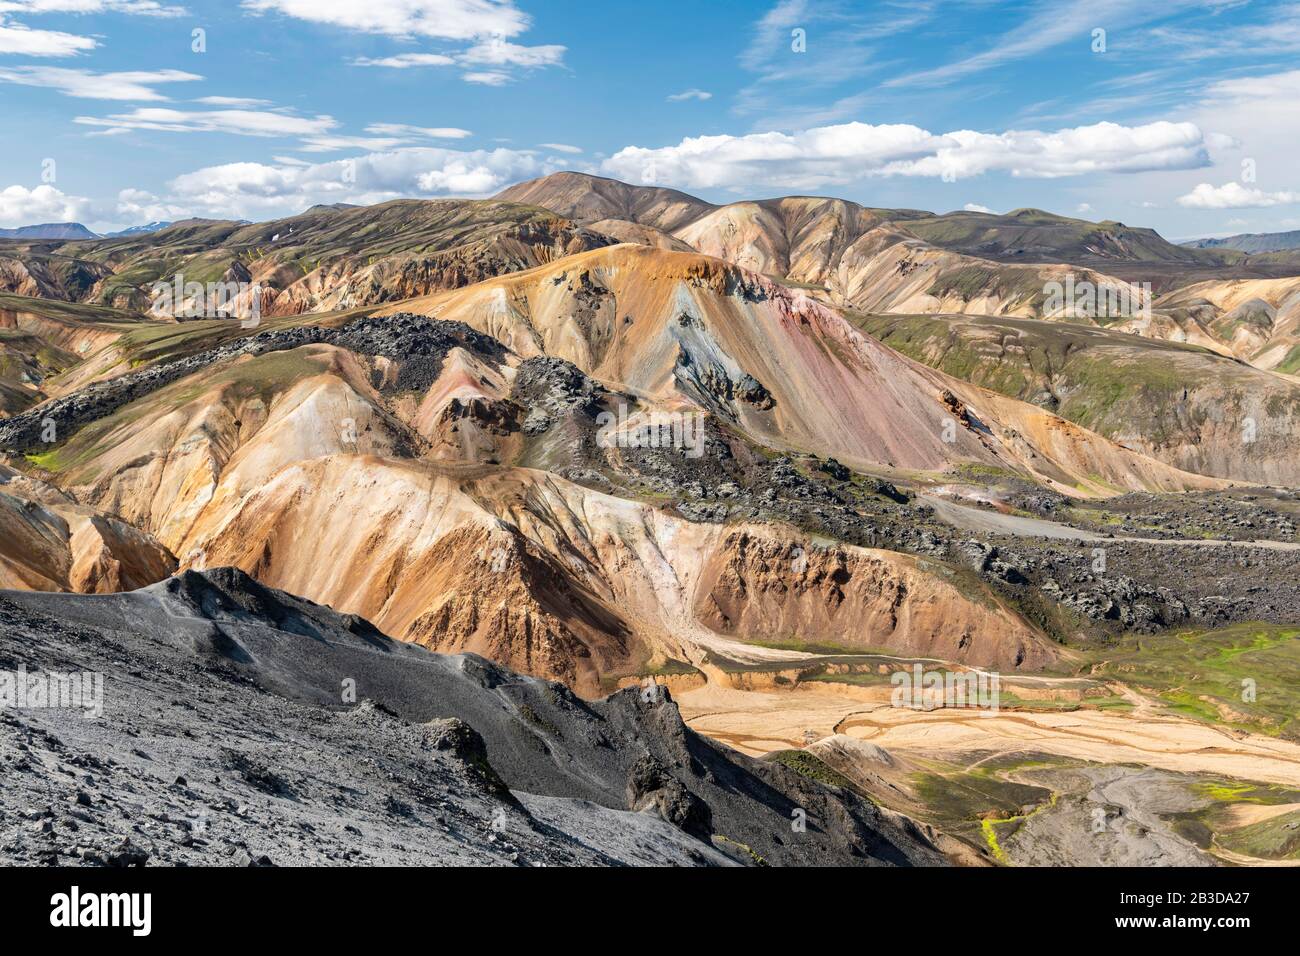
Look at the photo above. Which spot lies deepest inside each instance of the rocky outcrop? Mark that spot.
(504, 599)
(761, 588)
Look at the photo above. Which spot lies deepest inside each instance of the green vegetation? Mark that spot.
(1277, 838)
(973, 803)
(744, 848)
(669, 667)
(67, 311)
(1113, 383)
(811, 767)
(1038, 236)
(1007, 283)
(794, 643)
(1291, 364)
(1205, 675)
(262, 377)
(1219, 824)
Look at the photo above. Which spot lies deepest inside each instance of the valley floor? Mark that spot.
(1132, 786)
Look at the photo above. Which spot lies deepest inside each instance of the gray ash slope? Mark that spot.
(225, 740)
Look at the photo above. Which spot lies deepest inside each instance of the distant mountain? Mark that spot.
(1032, 235)
(593, 198)
(779, 232)
(1252, 242)
(887, 260)
(49, 230)
(330, 257)
(148, 227)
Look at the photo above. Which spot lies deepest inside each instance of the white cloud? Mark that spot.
(488, 24)
(495, 52)
(976, 207)
(690, 95)
(1277, 34)
(256, 190)
(383, 136)
(24, 41)
(1259, 113)
(238, 101)
(835, 155)
(491, 78)
(1233, 195)
(433, 132)
(318, 134)
(1047, 25)
(236, 122)
(809, 159)
(1257, 88)
(332, 144)
(138, 205)
(146, 8)
(499, 52)
(1101, 147)
(842, 37)
(561, 147)
(447, 19)
(132, 85)
(405, 61)
(20, 206)
(1083, 207)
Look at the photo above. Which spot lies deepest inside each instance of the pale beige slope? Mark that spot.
(887, 270)
(50, 543)
(666, 324)
(800, 237)
(568, 583)
(860, 258)
(161, 460)
(40, 340)
(758, 723)
(624, 230)
(1257, 320)
(286, 466)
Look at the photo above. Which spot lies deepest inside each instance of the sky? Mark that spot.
(1181, 115)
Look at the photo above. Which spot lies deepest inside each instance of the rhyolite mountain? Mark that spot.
(601, 434)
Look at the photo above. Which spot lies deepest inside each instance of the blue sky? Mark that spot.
(1180, 114)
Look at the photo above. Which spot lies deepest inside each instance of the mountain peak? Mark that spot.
(49, 230)
(589, 198)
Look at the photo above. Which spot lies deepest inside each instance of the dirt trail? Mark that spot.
(995, 522)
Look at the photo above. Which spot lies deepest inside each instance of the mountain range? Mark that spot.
(1256, 242)
(587, 438)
